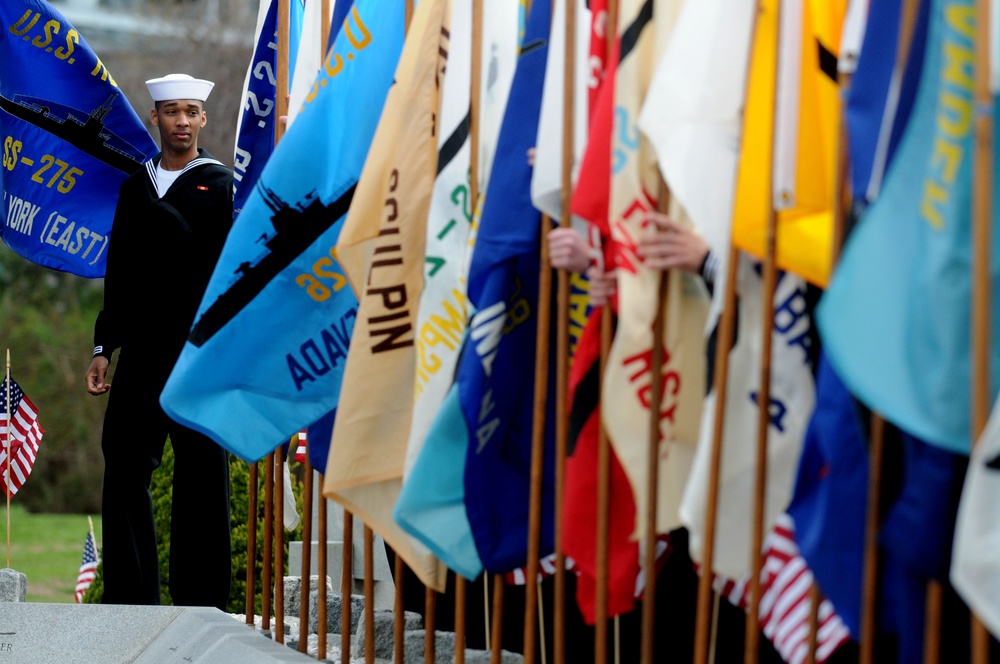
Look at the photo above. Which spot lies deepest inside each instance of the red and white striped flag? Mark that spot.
(301, 451)
(785, 604)
(88, 566)
(20, 435)
(546, 568)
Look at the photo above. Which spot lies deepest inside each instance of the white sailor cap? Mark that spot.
(179, 86)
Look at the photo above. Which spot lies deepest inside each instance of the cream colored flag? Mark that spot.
(381, 249)
(644, 28)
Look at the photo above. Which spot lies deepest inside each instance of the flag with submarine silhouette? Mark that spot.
(267, 351)
(69, 139)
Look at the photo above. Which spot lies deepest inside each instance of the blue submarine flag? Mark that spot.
(69, 138)
(266, 354)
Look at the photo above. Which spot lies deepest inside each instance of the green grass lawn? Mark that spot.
(47, 548)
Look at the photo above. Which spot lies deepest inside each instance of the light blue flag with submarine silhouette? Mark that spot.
(266, 353)
(895, 319)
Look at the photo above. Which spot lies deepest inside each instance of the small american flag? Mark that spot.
(88, 567)
(21, 432)
(300, 451)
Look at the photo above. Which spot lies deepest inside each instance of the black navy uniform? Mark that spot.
(162, 253)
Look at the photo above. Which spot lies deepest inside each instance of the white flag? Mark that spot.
(791, 405)
(692, 112)
(692, 116)
(852, 36)
(546, 179)
(501, 29)
(975, 565)
(444, 307)
(310, 56)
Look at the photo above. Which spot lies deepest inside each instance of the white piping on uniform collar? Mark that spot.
(153, 163)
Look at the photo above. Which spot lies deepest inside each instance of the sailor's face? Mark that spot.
(179, 121)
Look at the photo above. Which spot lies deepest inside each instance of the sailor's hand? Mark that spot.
(96, 375)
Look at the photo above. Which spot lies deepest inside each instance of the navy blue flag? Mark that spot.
(496, 370)
(916, 538)
(340, 11)
(266, 355)
(256, 125)
(877, 106)
(830, 497)
(69, 140)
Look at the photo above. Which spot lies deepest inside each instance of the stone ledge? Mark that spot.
(42, 633)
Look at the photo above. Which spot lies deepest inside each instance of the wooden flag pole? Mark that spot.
(279, 544)
(369, 595)
(346, 587)
(8, 450)
(982, 204)
(841, 204)
(460, 592)
(496, 626)
(769, 281)
(250, 594)
(539, 405)
(763, 426)
(541, 625)
(538, 442)
(603, 443)
(704, 622)
(304, 588)
(282, 74)
(281, 106)
(475, 83)
(724, 342)
(876, 453)
(430, 618)
(870, 592)
(486, 611)
(321, 626)
(324, 31)
(562, 335)
(265, 608)
(399, 610)
(653, 456)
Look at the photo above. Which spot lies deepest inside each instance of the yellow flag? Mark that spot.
(796, 93)
(381, 249)
(627, 387)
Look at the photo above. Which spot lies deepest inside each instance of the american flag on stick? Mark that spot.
(20, 435)
(301, 450)
(88, 566)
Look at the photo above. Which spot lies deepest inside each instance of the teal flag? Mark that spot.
(895, 320)
(431, 506)
(266, 354)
